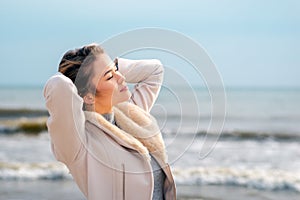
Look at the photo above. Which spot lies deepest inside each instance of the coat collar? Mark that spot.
(136, 129)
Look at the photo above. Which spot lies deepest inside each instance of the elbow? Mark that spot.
(159, 68)
(58, 90)
(58, 84)
(158, 72)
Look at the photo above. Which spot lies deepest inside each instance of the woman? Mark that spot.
(104, 133)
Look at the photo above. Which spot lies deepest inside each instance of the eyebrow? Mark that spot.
(107, 72)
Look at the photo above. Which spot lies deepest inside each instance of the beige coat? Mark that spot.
(106, 161)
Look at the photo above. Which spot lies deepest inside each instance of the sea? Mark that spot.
(252, 142)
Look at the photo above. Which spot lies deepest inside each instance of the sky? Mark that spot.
(253, 43)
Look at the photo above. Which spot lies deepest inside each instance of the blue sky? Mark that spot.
(253, 43)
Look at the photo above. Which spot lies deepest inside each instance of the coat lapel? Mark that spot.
(136, 129)
(142, 126)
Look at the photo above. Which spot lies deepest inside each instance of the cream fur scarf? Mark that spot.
(137, 128)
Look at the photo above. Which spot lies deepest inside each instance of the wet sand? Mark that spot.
(67, 190)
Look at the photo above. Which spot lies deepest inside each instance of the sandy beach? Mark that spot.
(67, 190)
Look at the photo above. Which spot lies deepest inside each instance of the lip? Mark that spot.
(125, 88)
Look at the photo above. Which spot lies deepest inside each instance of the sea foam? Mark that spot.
(262, 179)
(33, 171)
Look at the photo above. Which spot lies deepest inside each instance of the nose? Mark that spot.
(120, 78)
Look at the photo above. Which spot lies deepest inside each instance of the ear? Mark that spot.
(89, 99)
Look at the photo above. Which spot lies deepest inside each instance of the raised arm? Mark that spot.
(66, 121)
(147, 75)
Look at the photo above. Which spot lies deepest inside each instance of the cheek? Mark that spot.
(105, 89)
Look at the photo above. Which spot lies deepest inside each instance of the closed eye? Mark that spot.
(109, 78)
(116, 68)
(110, 71)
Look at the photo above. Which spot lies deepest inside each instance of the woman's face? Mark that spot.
(110, 84)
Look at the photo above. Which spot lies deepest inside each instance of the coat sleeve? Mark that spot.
(66, 121)
(147, 75)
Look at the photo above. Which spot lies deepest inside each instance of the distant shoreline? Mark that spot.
(22, 112)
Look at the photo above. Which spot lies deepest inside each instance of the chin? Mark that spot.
(125, 97)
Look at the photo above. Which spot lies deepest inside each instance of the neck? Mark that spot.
(103, 109)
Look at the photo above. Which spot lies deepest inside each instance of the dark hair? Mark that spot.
(76, 64)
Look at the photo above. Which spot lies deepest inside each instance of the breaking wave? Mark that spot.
(262, 179)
